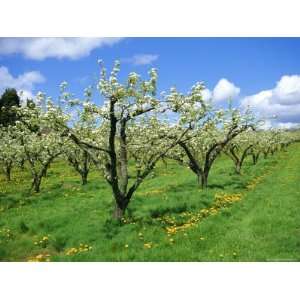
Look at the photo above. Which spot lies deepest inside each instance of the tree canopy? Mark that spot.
(8, 100)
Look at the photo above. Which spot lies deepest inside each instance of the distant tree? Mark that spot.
(240, 147)
(80, 159)
(8, 100)
(10, 151)
(207, 140)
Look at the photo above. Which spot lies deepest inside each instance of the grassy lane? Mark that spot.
(253, 217)
(265, 225)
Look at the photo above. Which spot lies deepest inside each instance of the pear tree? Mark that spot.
(130, 127)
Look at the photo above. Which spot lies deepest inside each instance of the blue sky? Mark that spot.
(260, 72)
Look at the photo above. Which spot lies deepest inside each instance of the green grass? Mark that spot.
(263, 226)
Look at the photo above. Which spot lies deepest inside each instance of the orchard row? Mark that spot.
(130, 132)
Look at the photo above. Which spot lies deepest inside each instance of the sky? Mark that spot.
(263, 73)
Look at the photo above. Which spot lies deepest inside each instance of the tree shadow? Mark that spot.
(216, 186)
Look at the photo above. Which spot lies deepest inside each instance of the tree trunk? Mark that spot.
(8, 173)
(120, 207)
(84, 176)
(118, 213)
(123, 173)
(238, 167)
(254, 159)
(36, 183)
(199, 179)
(202, 180)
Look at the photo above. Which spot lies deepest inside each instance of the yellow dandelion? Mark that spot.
(147, 245)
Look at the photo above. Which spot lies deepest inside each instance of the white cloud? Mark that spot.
(288, 125)
(141, 59)
(283, 101)
(24, 95)
(206, 94)
(287, 90)
(225, 90)
(41, 48)
(24, 82)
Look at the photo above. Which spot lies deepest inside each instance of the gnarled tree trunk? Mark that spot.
(36, 183)
(84, 176)
(204, 180)
(255, 158)
(7, 170)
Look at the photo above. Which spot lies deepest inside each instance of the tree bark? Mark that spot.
(36, 183)
(257, 157)
(204, 180)
(82, 170)
(38, 176)
(123, 173)
(8, 173)
(85, 168)
(238, 167)
(119, 212)
(84, 176)
(199, 179)
(240, 162)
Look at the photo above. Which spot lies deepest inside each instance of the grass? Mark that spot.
(253, 217)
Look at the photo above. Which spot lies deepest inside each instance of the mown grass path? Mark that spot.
(265, 225)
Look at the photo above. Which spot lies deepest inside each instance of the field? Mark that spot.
(248, 217)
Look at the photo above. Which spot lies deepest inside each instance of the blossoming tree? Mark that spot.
(208, 139)
(10, 151)
(38, 142)
(240, 147)
(130, 126)
(80, 160)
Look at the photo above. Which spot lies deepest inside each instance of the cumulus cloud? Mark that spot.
(225, 90)
(283, 101)
(287, 90)
(141, 59)
(23, 83)
(288, 125)
(206, 94)
(41, 48)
